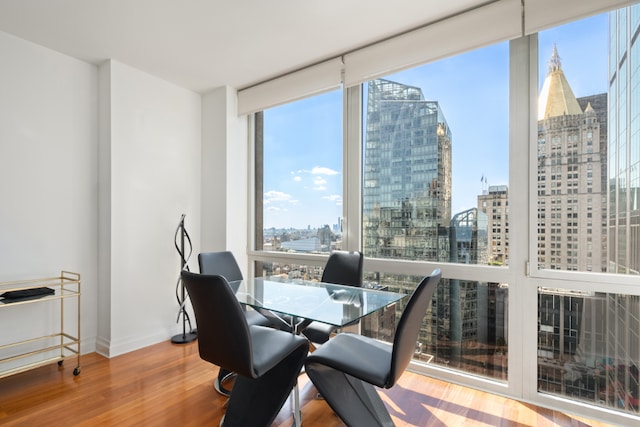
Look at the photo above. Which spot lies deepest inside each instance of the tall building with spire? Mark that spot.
(572, 159)
(572, 171)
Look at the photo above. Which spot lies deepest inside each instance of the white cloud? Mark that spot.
(319, 184)
(278, 196)
(333, 198)
(297, 178)
(275, 209)
(320, 170)
(336, 198)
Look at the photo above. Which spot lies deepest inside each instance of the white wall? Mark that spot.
(225, 175)
(237, 182)
(48, 177)
(97, 164)
(214, 169)
(150, 148)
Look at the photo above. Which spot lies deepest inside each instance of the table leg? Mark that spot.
(297, 413)
(295, 326)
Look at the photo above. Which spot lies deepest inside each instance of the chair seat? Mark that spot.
(345, 353)
(318, 332)
(224, 375)
(270, 346)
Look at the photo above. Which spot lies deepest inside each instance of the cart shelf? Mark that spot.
(20, 356)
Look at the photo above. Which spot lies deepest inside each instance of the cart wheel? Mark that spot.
(76, 371)
(60, 362)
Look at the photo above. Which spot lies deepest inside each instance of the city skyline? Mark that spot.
(303, 140)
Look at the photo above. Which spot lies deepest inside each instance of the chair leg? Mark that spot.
(257, 401)
(224, 375)
(356, 402)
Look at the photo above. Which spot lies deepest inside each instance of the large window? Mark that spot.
(515, 169)
(587, 182)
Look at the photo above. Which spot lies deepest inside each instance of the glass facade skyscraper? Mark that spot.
(407, 215)
(407, 175)
(624, 141)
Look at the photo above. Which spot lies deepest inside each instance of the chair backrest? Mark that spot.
(221, 263)
(343, 268)
(223, 333)
(404, 343)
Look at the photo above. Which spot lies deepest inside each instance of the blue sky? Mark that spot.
(303, 140)
(303, 163)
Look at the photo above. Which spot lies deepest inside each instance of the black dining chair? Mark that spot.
(224, 264)
(342, 268)
(267, 361)
(348, 367)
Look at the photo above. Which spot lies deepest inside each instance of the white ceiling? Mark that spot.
(204, 44)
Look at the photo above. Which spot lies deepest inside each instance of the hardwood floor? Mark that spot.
(169, 385)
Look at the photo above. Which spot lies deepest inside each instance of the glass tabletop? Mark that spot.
(323, 302)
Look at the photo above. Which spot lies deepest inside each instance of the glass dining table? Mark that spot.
(294, 304)
(297, 303)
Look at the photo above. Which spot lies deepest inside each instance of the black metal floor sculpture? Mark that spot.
(184, 337)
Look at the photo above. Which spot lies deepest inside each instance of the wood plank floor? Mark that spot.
(169, 385)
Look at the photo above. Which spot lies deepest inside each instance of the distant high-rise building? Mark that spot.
(571, 161)
(495, 205)
(571, 158)
(468, 237)
(624, 143)
(407, 175)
